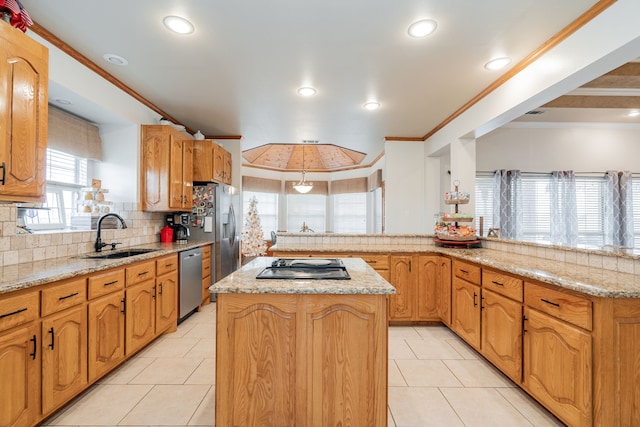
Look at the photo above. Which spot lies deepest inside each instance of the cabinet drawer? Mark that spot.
(469, 272)
(503, 284)
(59, 297)
(166, 264)
(206, 251)
(19, 309)
(104, 283)
(568, 307)
(377, 262)
(206, 267)
(140, 272)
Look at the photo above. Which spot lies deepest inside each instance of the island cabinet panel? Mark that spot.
(558, 367)
(257, 345)
(294, 360)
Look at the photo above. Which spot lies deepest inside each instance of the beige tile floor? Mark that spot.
(435, 379)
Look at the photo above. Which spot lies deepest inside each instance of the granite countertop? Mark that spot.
(364, 280)
(588, 280)
(30, 274)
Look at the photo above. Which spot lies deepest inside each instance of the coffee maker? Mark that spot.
(180, 224)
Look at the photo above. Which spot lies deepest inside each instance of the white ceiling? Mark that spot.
(237, 74)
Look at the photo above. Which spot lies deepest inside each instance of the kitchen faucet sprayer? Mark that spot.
(99, 245)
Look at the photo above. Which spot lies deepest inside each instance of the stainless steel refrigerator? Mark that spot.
(215, 217)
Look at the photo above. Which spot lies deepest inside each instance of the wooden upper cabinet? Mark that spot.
(167, 169)
(203, 160)
(24, 68)
(218, 163)
(226, 167)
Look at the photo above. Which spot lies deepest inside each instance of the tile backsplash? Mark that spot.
(15, 248)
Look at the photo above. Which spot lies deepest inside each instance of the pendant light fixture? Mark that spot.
(303, 186)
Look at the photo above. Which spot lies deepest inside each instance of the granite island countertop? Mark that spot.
(364, 280)
(594, 281)
(30, 274)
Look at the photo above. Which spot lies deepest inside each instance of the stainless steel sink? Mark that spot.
(119, 254)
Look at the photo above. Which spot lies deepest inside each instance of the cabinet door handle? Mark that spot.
(4, 172)
(154, 292)
(124, 305)
(497, 283)
(160, 284)
(34, 340)
(409, 266)
(53, 338)
(68, 296)
(13, 312)
(550, 302)
(113, 282)
(482, 303)
(524, 319)
(475, 299)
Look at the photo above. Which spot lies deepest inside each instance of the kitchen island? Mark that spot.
(301, 352)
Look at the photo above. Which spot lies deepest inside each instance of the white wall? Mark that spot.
(581, 149)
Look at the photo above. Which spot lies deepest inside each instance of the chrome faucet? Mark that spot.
(99, 245)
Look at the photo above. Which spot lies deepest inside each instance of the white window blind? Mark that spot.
(484, 202)
(350, 213)
(635, 188)
(267, 208)
(309, 209)
(590, 200)
(377, 210)
(536, 203)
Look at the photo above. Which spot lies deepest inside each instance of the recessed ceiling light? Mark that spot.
(63, 101)
(115, 59)
(497, 63)
(372, 105)
(422, 28)
(633, 113)
(178, 25)
(306, 91)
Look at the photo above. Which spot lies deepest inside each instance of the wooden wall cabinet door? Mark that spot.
(502, 333)
(558, 367)
(226, 168)
(218, 163)
(166, 173)
(106, 334)
(24, 67)
(465, 311)
(444, 290)
(203, 160)
(404, 274)
(140, 319)
(64, 357)
(166, 301)
(20, 358)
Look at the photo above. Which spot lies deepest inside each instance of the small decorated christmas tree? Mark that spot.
(253, 243)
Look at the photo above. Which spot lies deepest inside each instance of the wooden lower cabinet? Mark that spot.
(64, 357)
(434, 289)
(140, 322)
(443, 285)
(502, 333)
(294, 360)
(20, 357)
(166, 301)
(558, 367)
(465, 311)
(106, 334)
(404, 277)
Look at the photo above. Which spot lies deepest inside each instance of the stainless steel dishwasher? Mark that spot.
(190, 281)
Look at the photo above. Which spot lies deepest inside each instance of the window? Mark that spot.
(350, 213)
(635, 188)
(267, 208)
(590, 200)
(65, 175)
(536, 202)
(377, 210)
(484, 202)
(307, 209)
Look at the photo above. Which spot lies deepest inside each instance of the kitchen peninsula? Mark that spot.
(301, 352)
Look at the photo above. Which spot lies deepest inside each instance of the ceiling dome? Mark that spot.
(317, 157)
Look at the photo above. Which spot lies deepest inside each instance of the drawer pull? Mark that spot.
(113, 282)
(143, 273)
(68, 296)
(497, 283)
(53, 338)
(371, 261)
(550, 302)
(34, 340)
(13, 312)
(169, 265)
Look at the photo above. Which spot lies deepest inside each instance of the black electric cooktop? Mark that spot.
(305, 268)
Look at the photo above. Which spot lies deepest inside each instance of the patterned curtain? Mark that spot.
(507, 204)
(618, 209)
(564, 212)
